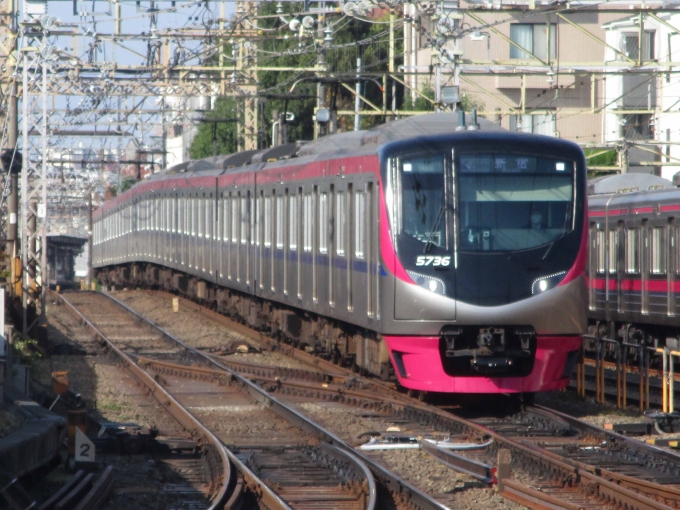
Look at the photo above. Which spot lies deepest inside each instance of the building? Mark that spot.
(568, 70)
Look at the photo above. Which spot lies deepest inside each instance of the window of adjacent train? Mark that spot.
(601, 251)
(323, 223)
(613, 251)
(267, 222)
(658, 257)
(280, 217)
(511, 202)
(293, 217)
(632, 250)
(423, 200)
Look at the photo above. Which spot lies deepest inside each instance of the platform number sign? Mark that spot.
(84, 447)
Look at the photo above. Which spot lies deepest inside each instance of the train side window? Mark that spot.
(308, 222)
(601, 250)
(226, 233)
(267, 222)
(244, 220)
(612, 254)
(293, 217)
(256, 202)
(632, 250)
(359, 224)
(340, 219)
(323, 223)
(234, 219)
(658, 257)
(279, 222)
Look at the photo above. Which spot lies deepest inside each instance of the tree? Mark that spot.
(224, 134)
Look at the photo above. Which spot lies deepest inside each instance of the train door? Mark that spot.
(287, 225)
(294, 242)
(359, 228)
(645, 269)
(611, 284)
(323, 239)
(331, 245)
(278, 251)
(251, 251)
(620, 266)
(671, 264)
(341, 261)
(592, 264)
(263, 237)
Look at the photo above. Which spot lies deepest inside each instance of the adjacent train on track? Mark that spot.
(634, 263)
(449, 255)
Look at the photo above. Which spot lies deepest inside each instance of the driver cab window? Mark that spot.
(423, 200)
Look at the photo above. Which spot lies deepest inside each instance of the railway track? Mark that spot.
(557, 458)
(333, 476)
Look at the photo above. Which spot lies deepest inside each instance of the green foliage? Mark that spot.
(420, 103)
(468, 103)
(223, 133)
(281, 48)
(27, 349)
(608, 158)
(126, 183)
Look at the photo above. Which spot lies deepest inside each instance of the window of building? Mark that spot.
(631, 46)
(543, 124)
(534, 39)
(632, 250)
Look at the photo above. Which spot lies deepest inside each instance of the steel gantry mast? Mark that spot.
(38, 69)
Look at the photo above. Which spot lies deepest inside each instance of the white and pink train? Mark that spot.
(449, 256)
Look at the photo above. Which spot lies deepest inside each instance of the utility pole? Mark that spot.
(11, 190)
(357, 100)
(390, 65)
(89, 241)
(319, 128)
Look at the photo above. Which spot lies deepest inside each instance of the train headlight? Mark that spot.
(430, 283)
(547, 282)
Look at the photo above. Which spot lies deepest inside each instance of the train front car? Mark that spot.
(487, 244)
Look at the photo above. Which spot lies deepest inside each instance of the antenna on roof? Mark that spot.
(461, 121)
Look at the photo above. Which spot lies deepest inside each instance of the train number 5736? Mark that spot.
(422, 260)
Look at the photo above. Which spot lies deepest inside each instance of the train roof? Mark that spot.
(352, 143)
(626, 183)
(631, 193)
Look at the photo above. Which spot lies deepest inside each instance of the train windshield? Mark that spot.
(504, 202)
(424, 200)
(510, 202)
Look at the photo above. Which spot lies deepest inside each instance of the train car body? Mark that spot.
(409, 248)
(634, 262)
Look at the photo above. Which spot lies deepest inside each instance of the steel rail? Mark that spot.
(187, 420)
(607, 489)
(390, 480)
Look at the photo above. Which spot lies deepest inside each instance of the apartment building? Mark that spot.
(559, 69)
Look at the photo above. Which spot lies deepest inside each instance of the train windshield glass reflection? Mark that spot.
(513, 202)
(423, 199)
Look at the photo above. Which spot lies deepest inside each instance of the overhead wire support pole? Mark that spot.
(36, 78)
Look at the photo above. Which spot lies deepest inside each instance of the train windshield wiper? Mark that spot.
(437, 221)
